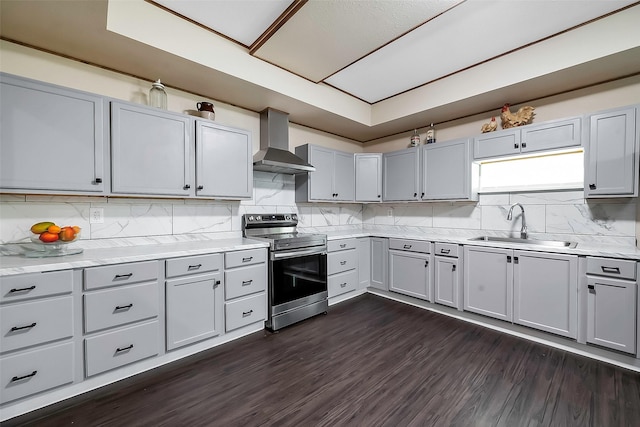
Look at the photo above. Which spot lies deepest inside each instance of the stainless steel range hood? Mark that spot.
(274, 154)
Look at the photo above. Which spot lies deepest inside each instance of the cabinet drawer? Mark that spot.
(35, 371)
(114, 307)
(193, 265)
(240, 258)
(245, 311)
(620, 268)
(27, 286)
(446, 249)
(121, 347)
(410, 245)
(120, 274)
(341, 245)
(37, 322)
(337, 262)
(245, 281)
(342, 282)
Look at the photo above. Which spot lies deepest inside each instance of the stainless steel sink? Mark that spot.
(554, 243)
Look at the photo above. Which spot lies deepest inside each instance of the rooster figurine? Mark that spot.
(522, 117)
(489, 127)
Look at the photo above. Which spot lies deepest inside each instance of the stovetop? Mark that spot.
(280, 231)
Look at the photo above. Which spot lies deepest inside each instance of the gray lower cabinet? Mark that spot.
(342, 266)
(379, 263)
(368, 177)
(150, 151)
(364, 262)
(333, 179)
(488, 281)
(447, 275)
(611, 153)
(194, 301)
(401, 175)
(223, 162)
(545, 292)
(245, 287)
(410, 268)
(448, 172)
(51, 138)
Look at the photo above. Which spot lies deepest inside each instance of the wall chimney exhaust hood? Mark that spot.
(274, 154)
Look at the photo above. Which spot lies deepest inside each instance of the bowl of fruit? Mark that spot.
(51, 239)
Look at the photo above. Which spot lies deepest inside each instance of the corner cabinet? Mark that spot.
(333, 179)
(368, 177)
(52, 139)
(223, 162)
(448, 172)
(611, 154)
(400, 175)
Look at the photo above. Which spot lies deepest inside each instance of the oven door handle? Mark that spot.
(294, 254)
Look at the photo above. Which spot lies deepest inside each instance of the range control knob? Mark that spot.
(258, 218)
(287, 217)
(251, 218)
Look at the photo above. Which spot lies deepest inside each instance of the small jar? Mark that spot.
(157, 95)
(415, 138)
(431, 135)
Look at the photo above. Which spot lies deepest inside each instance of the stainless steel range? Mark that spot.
(297, 268)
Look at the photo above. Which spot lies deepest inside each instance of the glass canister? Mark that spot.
(431, 135)
(415, 138)
(157, 95)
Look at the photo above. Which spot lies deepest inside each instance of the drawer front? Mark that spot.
(245, 311)
(337, 262)
(34, 285)
(446, 249)
(35, 371)
(240, 258)
(410, 245)
(121, 347)
(245, 281)
(341, 245)
(114, 307)
(36, 322)
(620, 268)
(120, 274)
(342, 282)
(193, 265)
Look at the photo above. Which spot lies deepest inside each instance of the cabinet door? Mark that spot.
(409, 273)
(611, 313)
(150, 151)
(611, 157)
(488, 281)
(321, 181)
(545, 294)
(379, 260)
(368, 177)
(497, 144)
(364, 262)
(344, 177)
(224, 162)
(194, 309)
(551, 135)
(50, 138)
(400, 175)
(446, 170)
(447, 281)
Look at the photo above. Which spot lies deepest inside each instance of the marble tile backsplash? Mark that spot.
(555, 214)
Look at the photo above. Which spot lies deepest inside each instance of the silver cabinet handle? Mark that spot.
(122, 276)
(407, 246)
(445, 251)
(612, 270)
(194, 267)
(247, 259)
(343, 245)
(343, 285)
(343, 262)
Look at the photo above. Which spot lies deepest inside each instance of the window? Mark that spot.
(563, 170)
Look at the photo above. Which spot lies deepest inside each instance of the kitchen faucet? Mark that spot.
(523, 231)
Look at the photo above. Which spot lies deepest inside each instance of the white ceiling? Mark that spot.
(362, 69)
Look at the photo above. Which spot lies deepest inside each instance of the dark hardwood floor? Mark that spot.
(369, 362)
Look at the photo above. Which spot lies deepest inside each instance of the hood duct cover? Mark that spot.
(274, 154)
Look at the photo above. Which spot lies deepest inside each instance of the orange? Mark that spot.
(53, 229)
(48, 237)
(67, 234)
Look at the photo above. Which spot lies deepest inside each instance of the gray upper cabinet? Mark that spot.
(150, 151)
(368, 177)
(51, 138)
(223, 162)
(550, 135)
(400, 175)
(611, 155)
(333, 179)
(448, 172)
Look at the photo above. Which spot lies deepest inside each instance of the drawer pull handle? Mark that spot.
(407, 246)
(445, 251)
(247, 282)
(343, 262)
(194, 267)
(19, 328)
(120, 350)
(343, 245)
(30, 288)
(32, 374)
(122, 276)
(613, 270)
(123, 307)
(247, 313)
(343, 285)
(247, 259)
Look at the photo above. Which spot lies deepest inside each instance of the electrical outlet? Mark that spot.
(96, 215)
(390, 212)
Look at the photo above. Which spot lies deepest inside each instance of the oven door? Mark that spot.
(297, 278)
